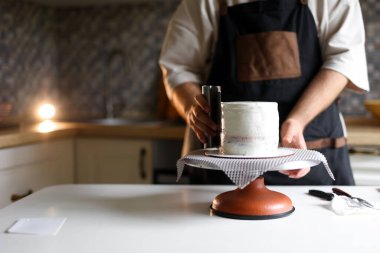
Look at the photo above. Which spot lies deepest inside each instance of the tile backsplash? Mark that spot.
(28, 55)
(76, 57)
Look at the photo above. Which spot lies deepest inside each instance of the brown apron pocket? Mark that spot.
(304, 2)
(267, 55)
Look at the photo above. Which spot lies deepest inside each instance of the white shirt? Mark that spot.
(192, 34)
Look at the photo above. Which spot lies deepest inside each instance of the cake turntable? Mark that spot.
(252, 200)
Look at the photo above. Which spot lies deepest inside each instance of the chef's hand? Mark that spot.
(193, 107)
(199, 120)
(292, 137)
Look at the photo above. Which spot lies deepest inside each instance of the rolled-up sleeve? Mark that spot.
(188, 43)
(342, 37)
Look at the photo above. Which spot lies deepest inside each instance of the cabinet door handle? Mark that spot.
(142, 163)
(15, 197)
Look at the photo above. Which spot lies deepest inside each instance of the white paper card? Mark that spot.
(37, 226)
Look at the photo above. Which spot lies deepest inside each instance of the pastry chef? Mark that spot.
(299, 53)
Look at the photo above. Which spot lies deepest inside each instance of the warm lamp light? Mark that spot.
(46, 126)
(46, 111)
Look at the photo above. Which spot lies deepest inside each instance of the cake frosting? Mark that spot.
(249, 128)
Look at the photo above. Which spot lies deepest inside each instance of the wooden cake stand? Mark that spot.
(254, 202)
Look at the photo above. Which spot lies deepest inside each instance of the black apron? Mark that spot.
(269, 51)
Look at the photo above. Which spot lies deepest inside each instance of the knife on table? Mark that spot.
(321, 194)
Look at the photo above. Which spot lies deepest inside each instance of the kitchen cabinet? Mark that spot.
(111, 161)
(366, 168)
(165, 156)
(28, 168)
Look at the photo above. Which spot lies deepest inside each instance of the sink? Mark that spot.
(125, 121)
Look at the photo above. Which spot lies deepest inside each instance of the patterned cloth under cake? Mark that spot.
(242, 171)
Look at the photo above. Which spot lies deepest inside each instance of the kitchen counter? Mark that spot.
(175, 218)
(361, 132)
(31, 133)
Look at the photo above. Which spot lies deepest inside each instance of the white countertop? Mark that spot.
(159, 218)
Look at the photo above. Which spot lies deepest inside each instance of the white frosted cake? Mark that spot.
(249, 128)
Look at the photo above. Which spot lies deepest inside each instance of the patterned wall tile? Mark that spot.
(351, 103)
(116, 47)
(28, 57)
(74, 55)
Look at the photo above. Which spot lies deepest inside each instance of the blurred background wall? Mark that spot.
(73, 55)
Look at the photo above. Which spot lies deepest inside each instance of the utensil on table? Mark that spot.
(340, 192)
(321, 194)
(329, 196)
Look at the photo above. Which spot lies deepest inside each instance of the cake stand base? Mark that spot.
(254, 202)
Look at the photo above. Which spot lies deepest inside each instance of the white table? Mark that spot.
(157, 218)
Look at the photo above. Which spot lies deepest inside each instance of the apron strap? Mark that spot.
(327, 143)
(304, 2)
(222, 7)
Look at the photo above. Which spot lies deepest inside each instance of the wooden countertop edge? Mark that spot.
(134, 131)
(361, 138)
(23, 138)
(369, 122)
(361, 132)
(30, 134)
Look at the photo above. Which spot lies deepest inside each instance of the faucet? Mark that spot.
(109, 99)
